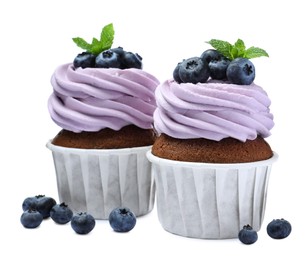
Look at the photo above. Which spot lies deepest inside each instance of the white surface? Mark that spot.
(36, 37)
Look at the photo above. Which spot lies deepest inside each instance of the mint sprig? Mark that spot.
(97, 46)
(237, 50)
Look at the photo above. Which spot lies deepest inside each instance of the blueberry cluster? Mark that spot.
(35, 210)
(41, 207)
(213, 64)
(277, 229)
(111, 58)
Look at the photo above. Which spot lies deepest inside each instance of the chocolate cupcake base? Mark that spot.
(228, 150)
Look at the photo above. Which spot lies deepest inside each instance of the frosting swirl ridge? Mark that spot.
(91, 99)
(212, 110)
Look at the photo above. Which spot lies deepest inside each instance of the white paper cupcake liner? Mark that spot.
(206, 200)
(98, 180)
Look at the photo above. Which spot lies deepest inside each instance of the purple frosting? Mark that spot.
(212, 110)
(92, 99)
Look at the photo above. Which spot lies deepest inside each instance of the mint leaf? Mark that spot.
(95, 41)
(254, 52)
(107, 36)
(222, 47)
(240, 45)
(97, 46)
(82, 43)
(95, 49)
(238, 50)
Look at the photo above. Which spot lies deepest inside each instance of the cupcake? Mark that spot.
(211, 161)
(104, 103)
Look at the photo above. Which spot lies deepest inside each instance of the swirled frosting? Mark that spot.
(92, 99)
(212, 110)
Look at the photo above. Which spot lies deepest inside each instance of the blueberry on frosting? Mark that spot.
(218, 68)
(194, 70)
(99, 53)
(228, 62)
(241, 71)
(84, 60)
(210, 55)
(107, 59)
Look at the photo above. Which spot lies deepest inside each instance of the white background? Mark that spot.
(36, 37)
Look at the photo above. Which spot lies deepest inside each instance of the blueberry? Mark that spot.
(279, 228)
(84, 60)
(107, 59)
(247, 235)
(218, 68)
(41, 203)
(30, 203)
(194, 70)
(44, 205)
(31, 218)
(241, 71)
(131, 60)
(119, 50)
(122, 219)
(210, 55)
(176, 75)
(82, 223)
(61, 213)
